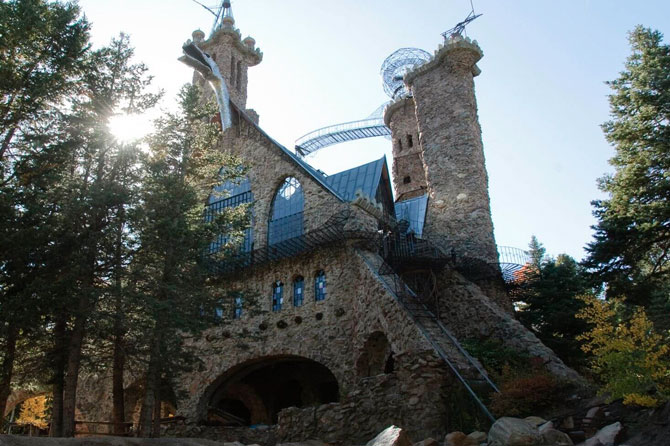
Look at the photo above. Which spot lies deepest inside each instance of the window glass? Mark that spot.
(237, 307)
(320, 286)
(298, 291)
(286, 217)
(277, 296)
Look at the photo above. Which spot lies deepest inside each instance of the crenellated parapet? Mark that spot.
(458, 53)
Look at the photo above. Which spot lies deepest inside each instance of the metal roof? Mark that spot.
(414, 211)
(365, 178)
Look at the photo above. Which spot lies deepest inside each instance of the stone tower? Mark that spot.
(232, 54)
(458, 215)
(409, 178)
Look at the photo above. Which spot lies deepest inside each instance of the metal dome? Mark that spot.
(397, 65)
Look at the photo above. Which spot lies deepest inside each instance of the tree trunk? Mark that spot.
(7, 368)
(118, 410)
(73, 363)
(156, 428)
(150, 386)
(6, 142)
(56, 429)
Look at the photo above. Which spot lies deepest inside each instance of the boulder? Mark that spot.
(391, 436)
(554, 437)
(454, 439)
(509, 431)
(428, 442)
(535, 421)
(607, 436)
(474, 439)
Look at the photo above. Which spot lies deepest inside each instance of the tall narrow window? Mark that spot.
(237, 307)
(320, 285)
(298, 291)
(232, 71)
(410, 141)
(286, 214)
(399, 144)
(277, 295)
(239, 75)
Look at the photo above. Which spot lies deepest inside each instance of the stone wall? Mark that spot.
(409, 178)
(469, 313)
(459, 215)
(233, 56)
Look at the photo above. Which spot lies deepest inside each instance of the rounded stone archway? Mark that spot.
(254, 392)
(376, 356)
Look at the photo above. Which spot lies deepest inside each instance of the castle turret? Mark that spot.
(409, 179)
(459, 214)
(232, 54)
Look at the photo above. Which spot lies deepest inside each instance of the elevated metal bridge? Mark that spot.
(338, 133)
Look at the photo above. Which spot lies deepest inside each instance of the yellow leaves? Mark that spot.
(628, 355)
(34, 412)
(640, 400)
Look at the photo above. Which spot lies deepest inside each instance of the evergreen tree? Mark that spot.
(42, 44)
(548, 302)
(42, 49)
(631, 247)
(168, 270)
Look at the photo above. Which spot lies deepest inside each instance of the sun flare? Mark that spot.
(128, 128)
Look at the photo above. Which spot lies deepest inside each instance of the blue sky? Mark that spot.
(541, 94)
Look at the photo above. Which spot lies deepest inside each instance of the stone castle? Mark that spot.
(347, 308)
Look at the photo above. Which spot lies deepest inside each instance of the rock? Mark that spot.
(391, 436)
(509, 431)
(474, 439)
(545, 426)
(568, 423)
(535, 421)
(607, 436)
(554, 437)
(454, 439)
(428, 442)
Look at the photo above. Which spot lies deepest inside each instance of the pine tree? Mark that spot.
(548, 300)
(168, 270)
(631, 247)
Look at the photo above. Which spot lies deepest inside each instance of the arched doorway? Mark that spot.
(255, 392)
(376, 357)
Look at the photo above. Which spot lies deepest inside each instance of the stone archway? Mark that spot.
(376, 356)
(254, 392)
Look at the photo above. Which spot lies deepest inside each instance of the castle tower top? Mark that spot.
(232, 54)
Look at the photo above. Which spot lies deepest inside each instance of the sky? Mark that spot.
(541, 95)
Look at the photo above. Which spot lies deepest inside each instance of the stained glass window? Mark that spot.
(320, 286)
(286, 215)
(277, 295)
(298, 291)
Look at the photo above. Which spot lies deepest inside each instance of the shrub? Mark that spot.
(630, 359)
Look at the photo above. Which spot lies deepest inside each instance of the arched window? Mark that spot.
(286, 214)
(320, 286)
(237, 307)
(231, 194)
(277, 295)
(298, 291)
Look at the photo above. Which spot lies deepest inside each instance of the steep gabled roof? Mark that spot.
(365, 178)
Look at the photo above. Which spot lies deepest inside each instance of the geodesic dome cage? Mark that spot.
(397, 65)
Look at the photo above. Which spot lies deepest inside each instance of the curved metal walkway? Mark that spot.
(512, 260)
(335, 134)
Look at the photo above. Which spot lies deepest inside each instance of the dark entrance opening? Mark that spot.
(254, 394)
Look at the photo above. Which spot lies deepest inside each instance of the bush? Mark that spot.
(526, 395)
(630, 359)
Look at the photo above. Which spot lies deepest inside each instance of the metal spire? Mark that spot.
(223, 15)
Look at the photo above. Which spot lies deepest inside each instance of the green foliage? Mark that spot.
(632, 239)
(495, 357)
(546, 298)
(630, 358)
(42, 44)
